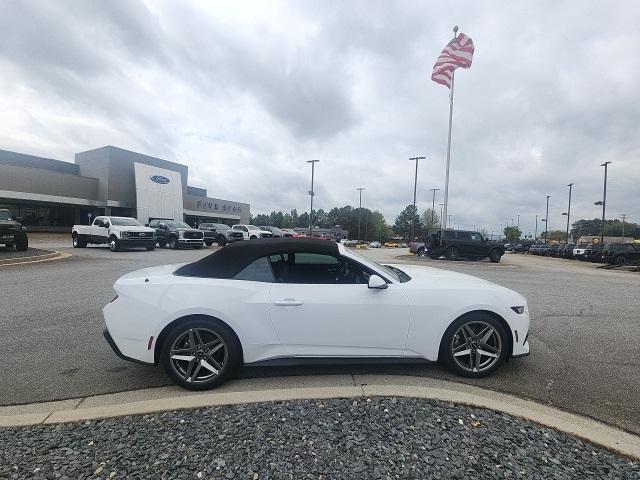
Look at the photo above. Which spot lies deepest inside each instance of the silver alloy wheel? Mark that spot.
(198, 355)
(476, 346)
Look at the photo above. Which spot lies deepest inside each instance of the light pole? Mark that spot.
(311, 194)
(546, 221)
(359, 211)
(569, 211)
(604, 200)
(535, 236)
(624, 217)
(441, 204)
(433, 204)
(501, 232)
(415, 188)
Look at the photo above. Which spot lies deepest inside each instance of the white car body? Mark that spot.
(288, 320)
(252, 231)
(105, 228)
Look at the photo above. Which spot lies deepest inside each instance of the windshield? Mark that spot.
(397, 274)
(125, 222)
(4, 215)
(221, 226)
(174, 224)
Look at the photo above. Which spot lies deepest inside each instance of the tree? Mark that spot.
(427, 225)
(557, 235)
(303, 220)
(512, 233)
(402, 225)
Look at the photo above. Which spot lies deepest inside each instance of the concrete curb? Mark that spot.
(140, 402)
(54, 255)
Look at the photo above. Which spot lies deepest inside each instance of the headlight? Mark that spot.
(181, 233)
(519, 310)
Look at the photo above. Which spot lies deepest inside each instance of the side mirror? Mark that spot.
(377, 282)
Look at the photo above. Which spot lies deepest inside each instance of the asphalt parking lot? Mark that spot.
(584, 336)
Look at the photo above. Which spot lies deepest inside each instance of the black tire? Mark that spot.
(620, 260)
(221, 241)
(208, 326)
(162, 244)
(150, 249)
(208, 244)
(22, 243)
(421, 252)
(173, 243)
(452, 340)
(114, 244)
(78, 241)
(452, 253)
(252, 237)
(495, 255)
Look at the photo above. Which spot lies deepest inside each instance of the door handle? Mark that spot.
(288, 302)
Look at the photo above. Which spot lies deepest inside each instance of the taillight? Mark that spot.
(114, 299)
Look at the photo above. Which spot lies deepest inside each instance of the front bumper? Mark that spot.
(190, 241)
(135, 243)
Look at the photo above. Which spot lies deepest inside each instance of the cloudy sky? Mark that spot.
(246, 92)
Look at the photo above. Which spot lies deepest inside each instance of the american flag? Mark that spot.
(457, 53)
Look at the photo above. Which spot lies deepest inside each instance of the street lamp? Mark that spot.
(546, 221)
(433, 204)
(569, 211)
(535, 236)
(359, 211)
(604, 200)
(311, 194)
(441, 204)
(415, 188)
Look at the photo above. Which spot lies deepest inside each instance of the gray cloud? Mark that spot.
(246, 93)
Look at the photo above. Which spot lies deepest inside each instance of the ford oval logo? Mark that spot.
(159, 179)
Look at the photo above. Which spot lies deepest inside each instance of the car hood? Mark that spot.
(133, 228)
(423, 276)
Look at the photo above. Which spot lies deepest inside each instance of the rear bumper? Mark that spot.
(117, 351)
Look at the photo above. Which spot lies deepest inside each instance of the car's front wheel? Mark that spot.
(475, 345)
(452, 253)
(22, 243)
(173, 243)
(114, 244)
(221, 241)
(422, 252)
(620, 260)
(200, 354)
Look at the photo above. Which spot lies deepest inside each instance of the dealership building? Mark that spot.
(53, 195)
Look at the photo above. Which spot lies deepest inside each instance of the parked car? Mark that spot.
(391, 245)
(269, 299)
(251, 232)
(275, 231)
(418, 248)
(593, 253)
(621, 253)
(579, 251)
(567, 251)
(117, 232)
(176, 234)
(287, 232)
(553, 250)
(375, 244)
(219, 233)
(539, 249)
(403, 245)
(463, 243)
(12, 232)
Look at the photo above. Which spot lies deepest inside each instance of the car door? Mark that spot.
(464, 243)
(321, 306)
(100, 230)
(477, 246)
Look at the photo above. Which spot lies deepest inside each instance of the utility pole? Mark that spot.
(624, 217)
(569, 211)
(433, 205)
(535, 236)
(604, 200)
(311, 194)
(415, 188)
(441, 205)
(518, 221)
(359, 211)
(546, 221)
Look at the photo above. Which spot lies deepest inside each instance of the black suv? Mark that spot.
(176, 234)
(621, 253)
(219, 233)
(12, 232)
(463, 243)
(593, 252)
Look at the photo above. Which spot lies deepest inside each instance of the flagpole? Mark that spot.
(446, 184)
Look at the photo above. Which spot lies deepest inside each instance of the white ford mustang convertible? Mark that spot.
(300, 300)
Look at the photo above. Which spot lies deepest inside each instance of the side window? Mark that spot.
(153, 224)
(257, 271)
(476, 237)
(315, 268)
(464, 236)
(449, 234)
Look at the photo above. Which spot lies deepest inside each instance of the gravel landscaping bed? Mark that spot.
(378, 438)
(9, 253)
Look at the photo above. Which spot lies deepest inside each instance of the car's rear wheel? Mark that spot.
(620, 260)
(114, 244)
(475, 345)
(200, 354)
(495, 255)
(421, 252)
(253, 237)
(78, 241)
(452, 253)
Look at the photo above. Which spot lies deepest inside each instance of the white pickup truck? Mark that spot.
(118, 232)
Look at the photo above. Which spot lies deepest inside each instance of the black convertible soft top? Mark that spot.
(230, 260)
